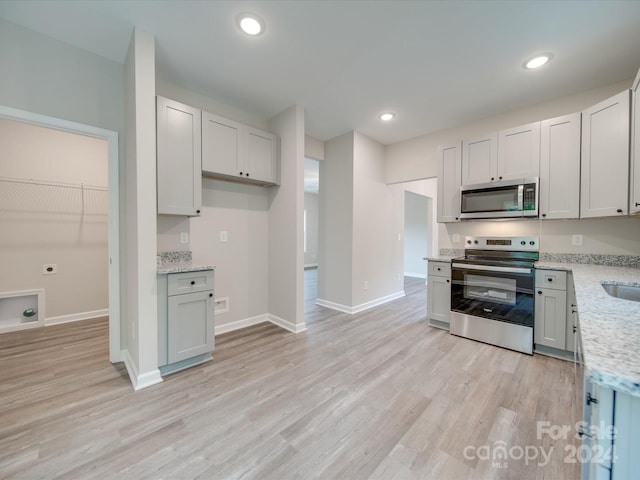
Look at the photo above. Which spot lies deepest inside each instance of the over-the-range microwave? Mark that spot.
(503, 199)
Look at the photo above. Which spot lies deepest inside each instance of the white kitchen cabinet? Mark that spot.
(550, 323)
(605, 158)
(480, 159)
(222, 143)
(439, 294)
(449, 176)
(560, 167)
(634, 197)
(235, 151)
(627, 423)
(519, 152)
(571, 335)
(185, 319)
(179, 168)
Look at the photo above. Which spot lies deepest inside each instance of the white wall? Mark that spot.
(429, 188)
(141, 358)
(313, 148)
(43, 224)
(336, 221)
(242, 263)
(311, 206)
(416, 234)
(286, 256)
(416, 158)
(377, 226)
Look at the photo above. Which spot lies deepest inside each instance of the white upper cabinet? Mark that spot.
(519, 152)
(560, 167)
(506, 155)
(605, 158)
(480, 160)
(235, 151)
(449, 165)
(260, 154)
(634, 202)
(179, 171)
(221, 145)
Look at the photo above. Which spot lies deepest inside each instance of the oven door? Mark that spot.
(501, 293)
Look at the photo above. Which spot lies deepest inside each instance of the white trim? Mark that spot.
(287, 325)
(415, 275)
(363, 306)
(140, 381)
(238, 324)
(76, 317)
(114, 208)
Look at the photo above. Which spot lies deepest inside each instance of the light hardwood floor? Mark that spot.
(377, 395)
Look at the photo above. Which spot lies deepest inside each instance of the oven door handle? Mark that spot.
(490, 268)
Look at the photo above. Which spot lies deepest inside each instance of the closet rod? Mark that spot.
(54, 184)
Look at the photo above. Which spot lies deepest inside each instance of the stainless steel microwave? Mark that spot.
(504, 199)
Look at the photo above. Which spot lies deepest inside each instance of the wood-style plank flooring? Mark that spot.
(377, 395)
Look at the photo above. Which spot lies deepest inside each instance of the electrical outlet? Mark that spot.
(455, 238)
(50, 269)
(224, 236)
(576, 240)
(184, 237)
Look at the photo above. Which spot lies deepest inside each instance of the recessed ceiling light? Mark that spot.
(385, 117)
(250, 24)
(538, 61)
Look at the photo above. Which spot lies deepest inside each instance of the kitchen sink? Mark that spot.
(620, 290)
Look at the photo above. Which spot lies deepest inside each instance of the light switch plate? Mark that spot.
(455, 238)
(224, 236)
(576, 240)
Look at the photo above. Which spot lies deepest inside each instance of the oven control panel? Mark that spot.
(521, 244)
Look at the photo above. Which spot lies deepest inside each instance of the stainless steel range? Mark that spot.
(492, 291)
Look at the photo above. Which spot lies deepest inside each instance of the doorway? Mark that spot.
(112, 206)
(416, 234)
(310, 225)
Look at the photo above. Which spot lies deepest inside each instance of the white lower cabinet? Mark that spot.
(610, 434)
(550, 324)
(439, 294)
(185, 319)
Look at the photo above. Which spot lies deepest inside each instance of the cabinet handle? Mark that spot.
(500, 178)
(241, 173)
(210, 295)
(247, 174)
(438, 268)
(193, 282)
(448, 280)
(619, 210)
(591, 399)
(539, 292)
(198, 212)
(549, 279)
(544, 215)
(492, 179)
(575, 328)
(637, 204)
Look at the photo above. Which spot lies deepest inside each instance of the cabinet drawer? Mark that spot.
(190, 282)
(553, 279)
(440, 269)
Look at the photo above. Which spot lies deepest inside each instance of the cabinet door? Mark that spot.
(627, 421)
(480, 160)
(598, 416)
(560, 167)
(179, 170)
(519, 152)
(634, 206)
(222, 145)
(190, 327)
(550, 324)
(605, 158)
(260, 155)
(449, 165)
(439, 298)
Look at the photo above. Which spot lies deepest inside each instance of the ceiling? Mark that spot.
(435, 64)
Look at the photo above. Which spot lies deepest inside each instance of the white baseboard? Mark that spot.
(265, 317)
(140, 381)
(286, 324)
(76, 317)
(363, 306)
(238, 324)
(415, 275)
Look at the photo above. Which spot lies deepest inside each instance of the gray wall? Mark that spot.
(311, 206)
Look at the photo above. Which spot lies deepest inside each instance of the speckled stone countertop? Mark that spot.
(440, 258)
(178, 262)
(609, 326)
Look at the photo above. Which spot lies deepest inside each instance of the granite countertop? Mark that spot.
(609, 326)
(178, 262)
(439, 258)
